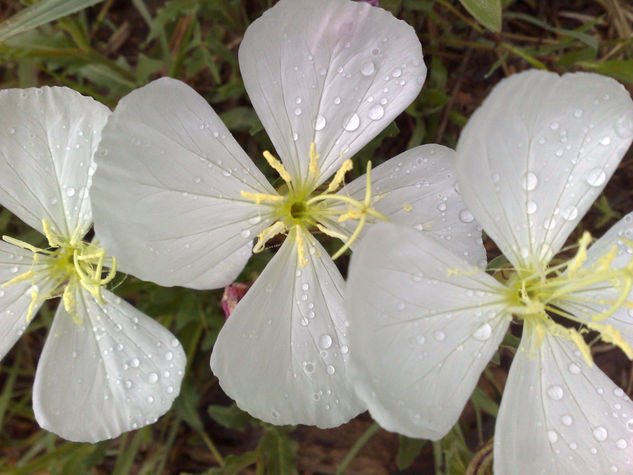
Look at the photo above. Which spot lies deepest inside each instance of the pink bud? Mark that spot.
(232, 295)
(373, 3)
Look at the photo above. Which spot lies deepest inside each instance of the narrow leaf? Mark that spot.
(486, 12)
(41, 13)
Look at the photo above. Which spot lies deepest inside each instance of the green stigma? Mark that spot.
(68, 263)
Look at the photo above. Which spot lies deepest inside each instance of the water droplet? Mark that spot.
(169, 356)
(483, 332)
(330, 370)
(12, 131)
(621, 444)
(549, 224)
(129, 384)
(376, 112)
(174, 343)
(567, 420)
(466, 216)
(150, 399)
(368, 68)
(245, 234)
(70, 191)
(552, 436)
(352, 123)
(529, 182)
(555, 393)
(578, 113)
(573, 368)
(152, 378)
(320, 122)
(596, 177)
(606, 140)
(624, 127)
(600, 434)
(344, 349)
(308, 367)
(397, 73)
(337, 100)
(570, 213)
(325, 341)
(439, 335)
(135, 363)
(554, 126)
(298, 111)
(531, 207)
(304, 322)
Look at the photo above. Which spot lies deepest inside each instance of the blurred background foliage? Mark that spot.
(112, 47)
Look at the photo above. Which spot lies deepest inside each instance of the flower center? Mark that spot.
(305, 207)
(67, 263)
(593, 293)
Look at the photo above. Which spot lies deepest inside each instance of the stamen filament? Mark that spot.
(278, 166)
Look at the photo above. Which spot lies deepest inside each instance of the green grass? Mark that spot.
(110, 49)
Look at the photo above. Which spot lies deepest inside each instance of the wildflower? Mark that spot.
(424, 323)
(325, 77)
(106, 368)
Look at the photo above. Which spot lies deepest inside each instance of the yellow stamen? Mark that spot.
(301, 251)
(271, 231)
(581, 256)
(335, 184)
(53, 240)
(259, 198)
(408, 207)
(332, 233)
(314, 168)
(278, 166)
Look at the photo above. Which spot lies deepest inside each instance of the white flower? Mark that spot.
(325, 77)
(424, 323)
(106, 368)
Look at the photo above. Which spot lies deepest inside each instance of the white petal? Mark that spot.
(47, 140)
(283, 352)
(537, 153)
(166, 193)
(423, 326)
(332, 72)
(115, 372)
(558, 416)
(418, 188)
(586, 303)
(16, 298)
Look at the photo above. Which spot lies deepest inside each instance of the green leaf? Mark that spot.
(486, 12)
(41, 13)
(620, 69)
(229, 416)
(235, 464)
(483, 402)
(408, 450)
(278, 451)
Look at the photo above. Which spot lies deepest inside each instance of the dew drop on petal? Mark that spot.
(573, 368)
(376, 112)
(567, 420)
(552, 436)
(439, 335)
(308, 367)
(368, 68)
(606, 140)
(531, 207)
(483, 332)
(330, 370)
(245, 234)
(320, 122)
(70, 191)
(570, 213)
(596, 177)
(352, 123)
(152, 378)
(555, 393)
(325, 341)
(344, 349)
(465, 216)
(529, 182)
(621, 444)
(578, 113)
(135, 363)
(624, 127)
(600, 434)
